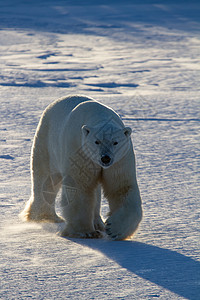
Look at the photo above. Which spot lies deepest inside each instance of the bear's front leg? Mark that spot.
(78, 212)
(124, 219)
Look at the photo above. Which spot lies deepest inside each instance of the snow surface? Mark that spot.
(142, 59)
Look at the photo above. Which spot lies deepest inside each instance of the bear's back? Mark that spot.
(62, 107)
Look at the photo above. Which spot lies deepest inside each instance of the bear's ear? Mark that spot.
(85, 130)
(127, 131)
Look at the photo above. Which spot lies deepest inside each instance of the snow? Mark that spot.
(142, 59)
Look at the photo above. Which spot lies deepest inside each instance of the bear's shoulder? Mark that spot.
(94, 112)
(68, 102)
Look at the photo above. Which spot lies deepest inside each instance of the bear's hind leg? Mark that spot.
(41, 205)
(50, 190)
(98, 223)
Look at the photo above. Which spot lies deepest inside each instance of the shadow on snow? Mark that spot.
(168, 269)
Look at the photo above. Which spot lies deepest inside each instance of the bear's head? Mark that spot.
(106, 144)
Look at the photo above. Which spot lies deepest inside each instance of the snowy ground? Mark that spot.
(142, 59)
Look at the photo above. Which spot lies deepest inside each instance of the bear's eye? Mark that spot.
(115, 143)
(97, 142)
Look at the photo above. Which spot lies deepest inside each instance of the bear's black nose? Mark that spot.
(105, 159)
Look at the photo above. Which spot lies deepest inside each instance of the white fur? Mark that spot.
(81, 145)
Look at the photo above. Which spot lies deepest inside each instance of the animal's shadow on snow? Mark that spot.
(168, 269)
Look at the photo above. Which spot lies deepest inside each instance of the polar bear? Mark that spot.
(83, 146)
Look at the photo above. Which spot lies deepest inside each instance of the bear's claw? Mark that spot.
(92, 235)
(112, 235)
(99, 224)
(86, 235)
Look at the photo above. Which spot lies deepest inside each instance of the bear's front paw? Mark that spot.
(123, 223)
(112, 234)
(114, 229)
(96, 234)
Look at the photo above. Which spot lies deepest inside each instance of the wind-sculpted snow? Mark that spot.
(169, 269)
(142, 59)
